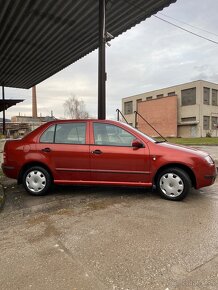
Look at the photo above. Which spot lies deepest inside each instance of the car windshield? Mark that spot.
(152, 139)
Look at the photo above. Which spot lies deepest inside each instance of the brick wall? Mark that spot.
(161, 114)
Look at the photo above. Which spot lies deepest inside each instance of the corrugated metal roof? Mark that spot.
(38, 38)
(5, 104)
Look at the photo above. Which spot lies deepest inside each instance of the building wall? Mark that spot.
(184, 112)
(24, 119)
(155, 110)
(28, 119)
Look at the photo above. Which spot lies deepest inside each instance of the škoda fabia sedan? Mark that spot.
(103, 152)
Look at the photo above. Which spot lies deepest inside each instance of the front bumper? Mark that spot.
(205, 175)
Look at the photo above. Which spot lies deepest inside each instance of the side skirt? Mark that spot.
(112, 183)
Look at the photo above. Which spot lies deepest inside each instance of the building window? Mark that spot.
(160, 96)
(128, 108)
(188, 119)
(206, 123)
(188, 97)
(137, 103)
(206, 96)
(148, 98)
(214, 123)
(214, 97)
(171, 94)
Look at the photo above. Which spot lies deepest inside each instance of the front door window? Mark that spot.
(111, 135)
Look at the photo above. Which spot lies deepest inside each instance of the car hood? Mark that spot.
(181, 148)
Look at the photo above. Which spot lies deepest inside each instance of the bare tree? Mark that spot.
(75, 108)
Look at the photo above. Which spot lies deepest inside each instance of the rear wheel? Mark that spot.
(173, 184)
(37, 180)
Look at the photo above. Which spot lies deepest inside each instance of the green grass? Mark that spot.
(194, 141)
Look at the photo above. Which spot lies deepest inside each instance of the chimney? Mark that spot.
(34, 103)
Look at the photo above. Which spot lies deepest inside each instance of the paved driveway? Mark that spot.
(212, 150)
(108, 238)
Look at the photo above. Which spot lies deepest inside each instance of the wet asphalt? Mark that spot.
(84, 238)
(108, 238)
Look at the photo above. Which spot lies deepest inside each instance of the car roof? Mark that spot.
(83, 120)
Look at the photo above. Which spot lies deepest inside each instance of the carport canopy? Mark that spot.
(39, 38)
(5, 104)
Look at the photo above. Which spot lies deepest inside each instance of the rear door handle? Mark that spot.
(46, 149)
(96, 152)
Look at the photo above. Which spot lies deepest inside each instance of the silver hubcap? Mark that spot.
(171, 184)
(35, 181)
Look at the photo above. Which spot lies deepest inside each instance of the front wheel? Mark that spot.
(173, 184)
(37, 180)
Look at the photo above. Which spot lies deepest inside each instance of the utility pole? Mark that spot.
(34, 103)
(101, 63)
(3, 121)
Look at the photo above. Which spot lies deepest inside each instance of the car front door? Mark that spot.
(114, 160)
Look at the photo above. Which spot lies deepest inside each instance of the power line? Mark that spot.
(175, 25)
(198, 35)
(188, 24)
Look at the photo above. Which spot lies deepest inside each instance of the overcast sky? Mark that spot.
(150, 56)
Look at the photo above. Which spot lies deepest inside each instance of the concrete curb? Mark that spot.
(2, 198)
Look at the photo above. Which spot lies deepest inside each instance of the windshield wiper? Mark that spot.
(162, 141)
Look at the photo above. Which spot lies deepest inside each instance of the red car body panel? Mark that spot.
(109, 165)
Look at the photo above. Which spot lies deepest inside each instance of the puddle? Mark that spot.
(48, 229)
(98, 205)
(39, 219)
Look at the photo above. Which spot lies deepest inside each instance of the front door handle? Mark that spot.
(46, 149)
(96, 152)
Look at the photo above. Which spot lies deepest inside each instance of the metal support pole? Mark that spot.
(101, 63)
(3, 121)
(34, 103)
(135, 119)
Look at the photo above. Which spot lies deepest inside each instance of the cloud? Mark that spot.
(150, 56)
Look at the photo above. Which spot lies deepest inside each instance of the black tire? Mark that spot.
(173, 184)
(37, 180)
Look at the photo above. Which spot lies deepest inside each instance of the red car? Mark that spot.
(102, 152)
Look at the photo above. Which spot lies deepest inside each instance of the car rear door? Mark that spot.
(65, 148)
(113, 159)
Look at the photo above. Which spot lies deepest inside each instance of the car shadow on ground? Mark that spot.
(78, 197)
(71, 196)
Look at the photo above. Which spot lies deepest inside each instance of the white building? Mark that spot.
(197, 107)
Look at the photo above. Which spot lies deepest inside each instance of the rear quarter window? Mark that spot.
(48, 135)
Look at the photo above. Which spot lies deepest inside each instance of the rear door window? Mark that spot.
(70, 133)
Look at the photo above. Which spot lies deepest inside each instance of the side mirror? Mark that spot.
(137, 144)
